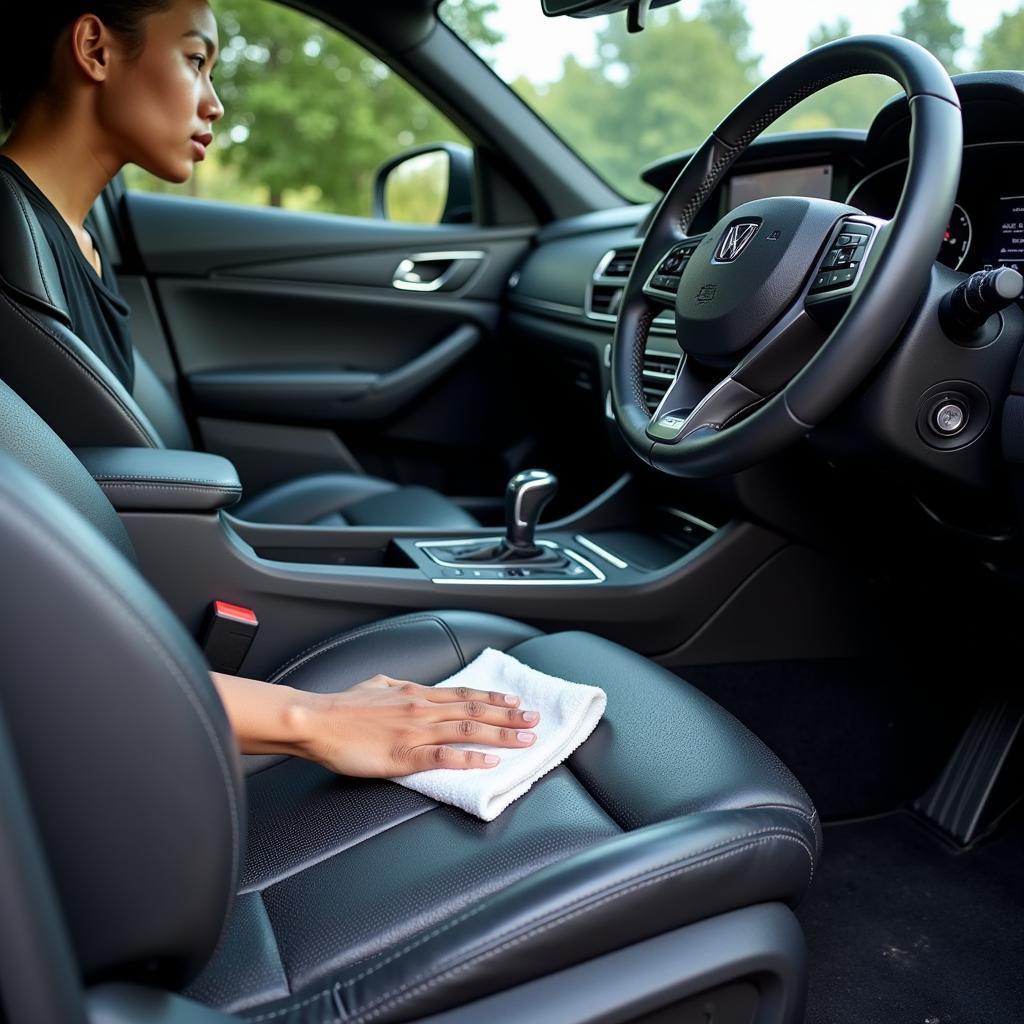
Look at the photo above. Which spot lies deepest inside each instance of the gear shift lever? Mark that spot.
(525, 497)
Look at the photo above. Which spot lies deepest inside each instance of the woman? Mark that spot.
(86, 89)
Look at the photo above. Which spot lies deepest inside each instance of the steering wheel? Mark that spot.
(755, 298)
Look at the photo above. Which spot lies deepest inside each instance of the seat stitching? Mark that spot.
(163, 478)
(323, 646)
(768, 832)
(455, 643)
(166, 487)
(20, 200)
(295, 1006)
(262, 886)
(68, 354)
(378, 1007)
(808, 817)
(579, 899)
(479, 908)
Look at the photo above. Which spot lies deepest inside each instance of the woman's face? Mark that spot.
(160, 107)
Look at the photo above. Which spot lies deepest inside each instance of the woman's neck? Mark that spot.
(66, 163)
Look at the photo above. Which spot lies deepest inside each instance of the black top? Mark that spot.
(99, 313)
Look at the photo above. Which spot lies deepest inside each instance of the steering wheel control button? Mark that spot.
(949, 418)
(664, 282)
(667, 428)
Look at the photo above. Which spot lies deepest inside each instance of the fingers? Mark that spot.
(462, 694)
(468, 731)
(486, 714)
(460, 702)
(423, 759)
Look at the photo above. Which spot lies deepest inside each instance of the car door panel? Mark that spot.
(287, 320)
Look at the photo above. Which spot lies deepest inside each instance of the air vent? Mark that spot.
(616, 264)
(659, 372)
(607, 284)
(605, 299)
(605, 291)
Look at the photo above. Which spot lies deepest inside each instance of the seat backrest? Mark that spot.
(123, 746)
(53, 369)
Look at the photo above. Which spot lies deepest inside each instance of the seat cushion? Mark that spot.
(348, 499)
(362, 900)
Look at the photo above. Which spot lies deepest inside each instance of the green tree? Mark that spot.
(309, 114)
(851, 103)
(306, 108)
(649, 94)
(826, 33)
(729, 19)
(469, 20)
(928, 22)
(1003, 46)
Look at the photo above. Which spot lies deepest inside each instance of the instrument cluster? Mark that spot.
(986, 225)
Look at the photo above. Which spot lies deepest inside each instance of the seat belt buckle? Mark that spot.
(228, 633)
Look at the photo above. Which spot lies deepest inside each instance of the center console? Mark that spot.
(635, 565)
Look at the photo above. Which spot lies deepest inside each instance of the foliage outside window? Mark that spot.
(309, 118)
(636, 98)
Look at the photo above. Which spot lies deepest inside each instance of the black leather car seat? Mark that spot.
(74, 391)
(299, 897)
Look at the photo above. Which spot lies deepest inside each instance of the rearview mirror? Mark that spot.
(592, 8)
(431, 184)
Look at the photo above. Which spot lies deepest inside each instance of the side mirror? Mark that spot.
(430, 184)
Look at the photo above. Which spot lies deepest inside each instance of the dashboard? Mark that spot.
(986, 226)
(564, 299)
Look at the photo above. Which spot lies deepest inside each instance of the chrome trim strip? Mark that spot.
(424, 544)
(547, 306)
(598, 550)
(599, 577)
(690, 519)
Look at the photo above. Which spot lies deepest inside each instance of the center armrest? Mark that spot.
(162, 480)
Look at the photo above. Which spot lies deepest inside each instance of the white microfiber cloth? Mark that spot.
(568, 714)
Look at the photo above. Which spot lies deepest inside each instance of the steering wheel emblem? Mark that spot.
(736, 238)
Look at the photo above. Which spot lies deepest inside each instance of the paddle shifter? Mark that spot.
(525, 497)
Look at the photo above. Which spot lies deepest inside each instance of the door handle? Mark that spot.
(435, 271)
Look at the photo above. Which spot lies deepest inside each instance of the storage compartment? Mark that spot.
(387, 555)
(663, 536)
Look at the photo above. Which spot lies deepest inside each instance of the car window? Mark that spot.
(309, 118)
(625, 100)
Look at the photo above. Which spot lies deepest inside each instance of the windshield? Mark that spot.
(623, 101)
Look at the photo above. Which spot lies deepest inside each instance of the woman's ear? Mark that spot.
(91, 44)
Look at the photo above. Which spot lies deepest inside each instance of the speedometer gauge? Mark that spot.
(957, 239)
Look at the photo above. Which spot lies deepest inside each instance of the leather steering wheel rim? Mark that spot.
(888, 289)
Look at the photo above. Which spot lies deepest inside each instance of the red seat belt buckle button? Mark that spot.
(228, 633)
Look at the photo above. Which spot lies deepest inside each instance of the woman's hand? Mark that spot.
(387, 727)
(379, 728)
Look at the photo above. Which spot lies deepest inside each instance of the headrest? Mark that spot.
(27, 266)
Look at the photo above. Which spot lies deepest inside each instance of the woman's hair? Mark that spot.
(33, 28)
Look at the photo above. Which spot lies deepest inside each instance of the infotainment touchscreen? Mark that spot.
(815, 182)
(1006, 241)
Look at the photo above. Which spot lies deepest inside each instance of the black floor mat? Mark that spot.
(903, 930)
